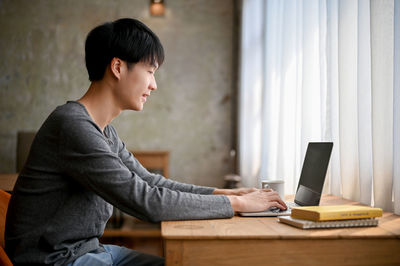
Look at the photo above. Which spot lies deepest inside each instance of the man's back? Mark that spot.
(62, 198)
(55, 206)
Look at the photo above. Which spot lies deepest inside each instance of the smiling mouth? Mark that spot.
(144, 96)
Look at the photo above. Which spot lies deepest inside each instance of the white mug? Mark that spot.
(276, 185)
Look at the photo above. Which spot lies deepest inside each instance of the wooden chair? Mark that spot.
(4, 200)
(156, 162)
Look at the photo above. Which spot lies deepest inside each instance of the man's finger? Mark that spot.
(267, 189)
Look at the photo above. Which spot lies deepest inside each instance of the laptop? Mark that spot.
(311, 180)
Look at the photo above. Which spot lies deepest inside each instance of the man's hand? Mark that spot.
(259, 200)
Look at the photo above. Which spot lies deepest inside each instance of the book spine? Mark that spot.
(349, 215)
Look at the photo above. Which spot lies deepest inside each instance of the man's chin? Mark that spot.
(137, 108)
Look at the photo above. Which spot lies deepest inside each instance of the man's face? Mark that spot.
(136, 85)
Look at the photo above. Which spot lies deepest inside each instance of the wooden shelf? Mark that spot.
(133, 227)
(148, 233)
(135, 234)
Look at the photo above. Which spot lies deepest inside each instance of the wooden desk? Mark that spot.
(265, 241)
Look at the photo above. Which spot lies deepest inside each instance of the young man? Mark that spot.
(78, 168)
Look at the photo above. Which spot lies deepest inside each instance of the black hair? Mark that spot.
(128, 39)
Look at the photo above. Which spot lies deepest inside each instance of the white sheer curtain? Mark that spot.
(320, 70)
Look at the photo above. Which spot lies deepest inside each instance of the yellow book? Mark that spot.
(336, 212)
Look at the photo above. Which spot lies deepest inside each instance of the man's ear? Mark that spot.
(116, 66)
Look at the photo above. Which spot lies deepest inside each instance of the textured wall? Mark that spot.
(42, 66)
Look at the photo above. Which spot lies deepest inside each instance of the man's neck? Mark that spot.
(99, 103)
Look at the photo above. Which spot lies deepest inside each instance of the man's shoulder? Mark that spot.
(69, 116)
(70, 108)
(75, 126)
(69, 113)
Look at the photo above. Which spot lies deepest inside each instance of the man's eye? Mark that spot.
(151, 72)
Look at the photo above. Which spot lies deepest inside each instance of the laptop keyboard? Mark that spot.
(290, 205)
(272, 211)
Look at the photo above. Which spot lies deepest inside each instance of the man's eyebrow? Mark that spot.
(155, 65)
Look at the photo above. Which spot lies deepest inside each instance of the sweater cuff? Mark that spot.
(204, 190)
(229, 208)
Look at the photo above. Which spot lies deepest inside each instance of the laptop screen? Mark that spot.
(313, 174)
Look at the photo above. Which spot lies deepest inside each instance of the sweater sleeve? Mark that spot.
(86, 156)
(154, 179)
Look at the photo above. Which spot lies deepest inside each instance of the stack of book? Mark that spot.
(332, 216)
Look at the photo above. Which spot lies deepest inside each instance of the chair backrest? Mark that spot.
(154, 161)
(4, 200)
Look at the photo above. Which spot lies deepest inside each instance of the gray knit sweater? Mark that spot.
(74, 174)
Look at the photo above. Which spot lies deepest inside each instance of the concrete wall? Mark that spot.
(42, 66)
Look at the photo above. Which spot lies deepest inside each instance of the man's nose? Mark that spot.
(153, 84)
